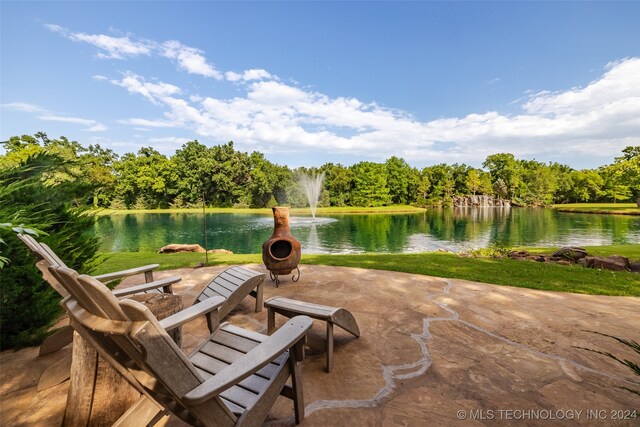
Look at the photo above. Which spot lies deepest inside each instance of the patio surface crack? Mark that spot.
(393, 373)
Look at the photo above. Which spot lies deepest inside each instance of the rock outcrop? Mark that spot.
(575, 255)
(479, 201)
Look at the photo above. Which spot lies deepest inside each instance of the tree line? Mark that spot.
(225, 177)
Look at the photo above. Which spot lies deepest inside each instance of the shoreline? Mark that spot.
(334, 210)
(595, 208)
(599, 212)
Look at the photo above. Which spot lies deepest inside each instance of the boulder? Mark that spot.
(570, 253)
(518, 254)
(177, 247)
(612, 262)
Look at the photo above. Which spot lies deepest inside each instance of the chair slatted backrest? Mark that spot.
(97, 311)
(46, 258)
(96, 301)
(39, 250)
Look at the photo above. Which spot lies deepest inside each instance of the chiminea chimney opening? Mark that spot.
(280, 249)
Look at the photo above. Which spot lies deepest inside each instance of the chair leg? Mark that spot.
(213, 321)
(259, 293)
(329, 346)
(298, 395)
(271, 320)
(148, 276)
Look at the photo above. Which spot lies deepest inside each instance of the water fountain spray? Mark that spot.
(311, 185)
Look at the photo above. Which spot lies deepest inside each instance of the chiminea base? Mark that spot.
(274, 276)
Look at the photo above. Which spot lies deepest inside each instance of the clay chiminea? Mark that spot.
(281, 252)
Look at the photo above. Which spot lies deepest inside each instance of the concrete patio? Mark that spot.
(432, 351)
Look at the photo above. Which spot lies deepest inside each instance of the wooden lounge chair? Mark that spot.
(47, 257)
(234, 284)
(233, 378)
(44, 252)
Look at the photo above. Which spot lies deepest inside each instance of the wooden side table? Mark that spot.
(332, 315)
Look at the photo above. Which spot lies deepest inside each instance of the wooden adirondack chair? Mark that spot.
(234, 284)
(43, 252)
(232, 379)
(47, 257)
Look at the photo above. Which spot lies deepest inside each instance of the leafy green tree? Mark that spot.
(193, 165)
(500, 189)
(538, 183)
(399, 179)
(145, 180)
(459, 175)
(473, 181)
(586, 186)
(485, 184)
(338, 181)
(32, 192)
(100, 166)
(564, 181)
(231, 172)
(440, 177)
(423, 191)
(629, 166)
(266, 181)
(504, 167)
(370, 185)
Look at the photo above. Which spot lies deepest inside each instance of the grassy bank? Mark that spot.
(499, 271)
(600, 208)
(267, 211)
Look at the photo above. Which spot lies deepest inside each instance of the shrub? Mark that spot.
(41, 191)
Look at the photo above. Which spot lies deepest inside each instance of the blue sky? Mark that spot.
(312, 82)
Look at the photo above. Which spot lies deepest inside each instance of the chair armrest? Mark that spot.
(191, 313)
(283, 339)
(125, 273)
(162, 283)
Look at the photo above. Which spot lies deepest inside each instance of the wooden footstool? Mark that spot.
(290, 308)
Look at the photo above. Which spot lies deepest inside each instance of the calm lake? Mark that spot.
(451, 229)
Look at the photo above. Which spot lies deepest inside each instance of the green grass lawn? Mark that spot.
(600, 208)
(267, 211)
(499, 271)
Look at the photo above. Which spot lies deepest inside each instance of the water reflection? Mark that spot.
(449, 229)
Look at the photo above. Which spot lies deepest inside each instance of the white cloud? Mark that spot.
(23, 106)
(248, 75)
(189, 59)
(94, 126)
(595, 120)
(146, 122)
(152, 91)
(110, 47)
